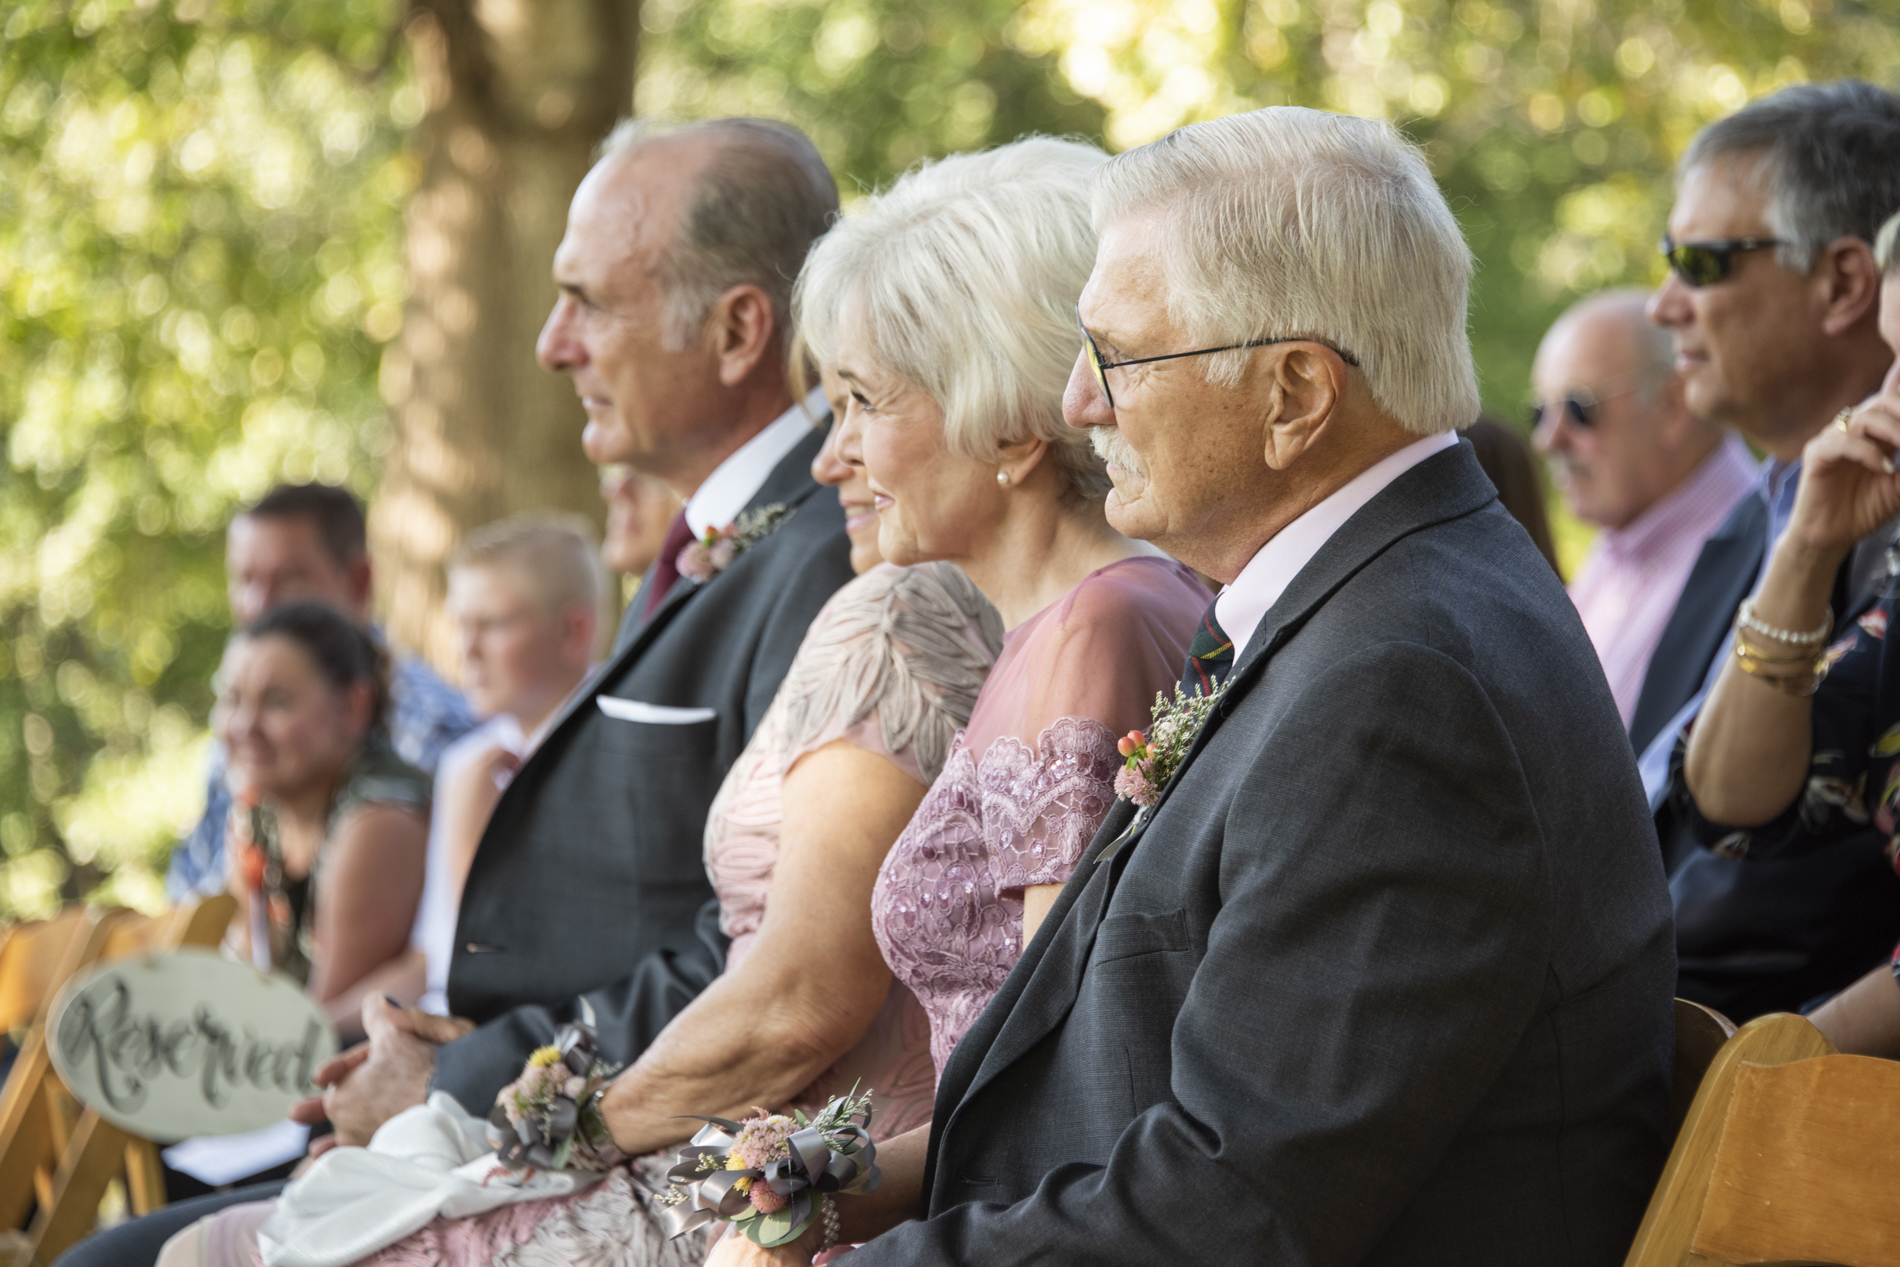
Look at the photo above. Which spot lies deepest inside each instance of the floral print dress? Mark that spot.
(1853, 783)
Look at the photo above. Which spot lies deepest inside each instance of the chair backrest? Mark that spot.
(29, 957)
(1804, 1170)
(1667, 1237)
(1700, 1033)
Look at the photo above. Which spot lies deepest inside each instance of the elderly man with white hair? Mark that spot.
(1382, 973)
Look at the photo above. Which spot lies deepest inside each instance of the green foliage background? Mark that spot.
(200, 259)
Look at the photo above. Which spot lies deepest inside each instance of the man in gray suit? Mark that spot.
(675, 279)
(1384, 976)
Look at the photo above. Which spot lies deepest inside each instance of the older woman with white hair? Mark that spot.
(947, 306)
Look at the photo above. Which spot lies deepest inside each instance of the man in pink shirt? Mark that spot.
(1628, 456)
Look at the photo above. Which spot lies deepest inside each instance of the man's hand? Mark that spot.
(369, 1084)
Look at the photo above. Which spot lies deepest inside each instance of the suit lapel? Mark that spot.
(789, 484)
(1723, 573)
(1043, 987)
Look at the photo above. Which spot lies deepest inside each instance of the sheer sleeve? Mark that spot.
(1086, 675)
(893, 666)
(1853, 782)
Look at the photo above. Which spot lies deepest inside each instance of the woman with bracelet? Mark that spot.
(995, 247)
(1798, 745)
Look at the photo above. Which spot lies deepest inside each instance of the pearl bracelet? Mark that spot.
(1745, 619)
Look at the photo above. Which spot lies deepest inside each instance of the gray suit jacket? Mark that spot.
(1386, 977)
(590, 877)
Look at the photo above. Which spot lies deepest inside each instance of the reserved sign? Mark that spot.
(187, 1043)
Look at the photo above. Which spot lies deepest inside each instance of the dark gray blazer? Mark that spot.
(1386, 979)
(590, 876)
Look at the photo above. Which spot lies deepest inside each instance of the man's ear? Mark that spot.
(1850, 284)
(580, 625)
(743, 330)
(362, 585)
(1306, 386)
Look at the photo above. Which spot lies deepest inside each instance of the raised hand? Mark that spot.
(1849, 484)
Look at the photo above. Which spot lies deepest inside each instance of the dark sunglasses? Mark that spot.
(1102, 367)
(1579, 411)
(1579, 408)
(1706, 263)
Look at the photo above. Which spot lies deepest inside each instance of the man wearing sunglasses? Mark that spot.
(1772, 301)
(1628, 456)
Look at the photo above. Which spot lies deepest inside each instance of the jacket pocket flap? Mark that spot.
(1123, 936)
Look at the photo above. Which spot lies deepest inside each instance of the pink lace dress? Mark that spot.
(892, 665)
(1027, 783)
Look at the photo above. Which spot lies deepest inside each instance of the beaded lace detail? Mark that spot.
(948, 909)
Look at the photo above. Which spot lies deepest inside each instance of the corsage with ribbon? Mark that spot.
(549, 1118)
(772, 1175)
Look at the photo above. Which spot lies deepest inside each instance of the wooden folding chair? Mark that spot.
(57, 1159)
(29, 955)
(1781, 1159)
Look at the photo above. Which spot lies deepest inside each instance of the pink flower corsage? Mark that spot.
(714, 552)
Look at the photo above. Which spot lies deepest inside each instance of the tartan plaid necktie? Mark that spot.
(1210, 657)
(666, 568)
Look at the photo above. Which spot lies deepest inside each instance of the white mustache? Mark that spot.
(1110, 446)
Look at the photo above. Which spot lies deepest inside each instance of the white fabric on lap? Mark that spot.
(433, 1159)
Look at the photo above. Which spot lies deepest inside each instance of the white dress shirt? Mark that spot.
(737, 480)
(1243, 604)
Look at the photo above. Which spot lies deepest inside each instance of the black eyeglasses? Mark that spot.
(1102, 367)
(1706, 263)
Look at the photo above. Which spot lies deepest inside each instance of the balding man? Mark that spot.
(675, 284)
(1629, 457)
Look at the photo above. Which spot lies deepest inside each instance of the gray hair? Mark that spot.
(1288, 222)
(1830, 154)
(554, 556)
(963, 276)
(1885, 254)
(762, 198)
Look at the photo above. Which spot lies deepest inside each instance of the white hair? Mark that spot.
(963, 277)
(1288, 222)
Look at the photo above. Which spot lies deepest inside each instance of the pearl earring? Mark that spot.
(1002, 479)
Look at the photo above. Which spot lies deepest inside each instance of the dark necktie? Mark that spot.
(666, 568)
(1210, 657)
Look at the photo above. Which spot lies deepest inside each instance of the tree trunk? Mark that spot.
(518, 93)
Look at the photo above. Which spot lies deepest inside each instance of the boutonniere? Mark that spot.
(714, 552)
(1151, 759)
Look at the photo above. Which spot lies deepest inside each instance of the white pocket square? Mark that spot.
(652, 714)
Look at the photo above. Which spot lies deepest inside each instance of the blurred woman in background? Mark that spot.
(330, 825)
